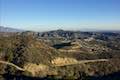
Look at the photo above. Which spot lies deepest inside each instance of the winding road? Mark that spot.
(79, 62)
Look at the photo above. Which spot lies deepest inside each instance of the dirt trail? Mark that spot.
(91, 61)
(11, 64)
(79, 62)
(85, 61)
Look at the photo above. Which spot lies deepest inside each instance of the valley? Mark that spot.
(59, 55)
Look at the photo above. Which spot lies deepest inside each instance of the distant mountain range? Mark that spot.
(7, 29)
(78, 34)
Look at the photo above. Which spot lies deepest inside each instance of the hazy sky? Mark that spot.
(55, 14)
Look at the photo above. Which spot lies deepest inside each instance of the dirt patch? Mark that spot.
(36, 69)
(63, 61)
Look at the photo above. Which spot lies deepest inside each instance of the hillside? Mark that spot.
(27, 56)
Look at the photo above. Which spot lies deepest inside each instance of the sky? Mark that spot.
(42, 15)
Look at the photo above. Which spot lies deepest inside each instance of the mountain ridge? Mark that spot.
(8, 29)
